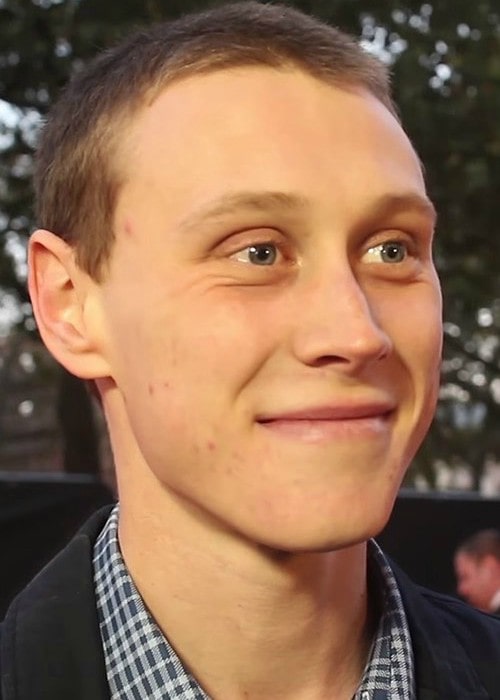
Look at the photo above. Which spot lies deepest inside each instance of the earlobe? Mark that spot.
(64, 305)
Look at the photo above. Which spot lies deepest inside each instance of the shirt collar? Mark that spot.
(389, 673)
(140, 662)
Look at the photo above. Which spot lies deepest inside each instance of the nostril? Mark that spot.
(328, 360)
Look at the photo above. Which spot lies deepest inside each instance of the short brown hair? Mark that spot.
(77, 176)
(481, 544)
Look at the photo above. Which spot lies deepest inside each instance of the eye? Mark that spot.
(257, 254)
(389, 252)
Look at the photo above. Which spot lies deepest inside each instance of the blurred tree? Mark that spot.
(445, 59)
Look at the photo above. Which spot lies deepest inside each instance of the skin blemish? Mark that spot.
(128, 228)
(166, 385)
(151, 389)
(211, 445)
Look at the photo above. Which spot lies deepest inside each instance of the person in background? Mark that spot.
(477, 570)
(235, 247)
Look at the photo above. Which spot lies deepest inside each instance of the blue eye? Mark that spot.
(258, 254)
(390, 252)
(262, 254)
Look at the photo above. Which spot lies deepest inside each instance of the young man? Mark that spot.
(477, 568)
(235, 247)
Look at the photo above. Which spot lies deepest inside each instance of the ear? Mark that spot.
(66, 306)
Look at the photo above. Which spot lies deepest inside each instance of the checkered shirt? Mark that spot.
(142, 665)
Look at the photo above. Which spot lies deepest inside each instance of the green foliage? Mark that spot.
(446, 65)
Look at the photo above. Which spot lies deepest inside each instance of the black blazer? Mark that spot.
(51, 646)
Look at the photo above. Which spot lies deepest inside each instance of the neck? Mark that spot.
(249, 622)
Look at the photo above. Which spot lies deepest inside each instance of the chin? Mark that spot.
(326, 535)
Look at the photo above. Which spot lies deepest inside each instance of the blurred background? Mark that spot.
(445, 60)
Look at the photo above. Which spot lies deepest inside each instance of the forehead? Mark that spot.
(260, 128)
(466, 563)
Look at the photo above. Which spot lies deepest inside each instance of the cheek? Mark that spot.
(415, 328)
(417, 333)
(220, 335)
(193, 366)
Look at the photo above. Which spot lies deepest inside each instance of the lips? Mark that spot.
(335, 412)
(337, 422)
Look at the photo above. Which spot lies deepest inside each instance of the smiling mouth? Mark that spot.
(331, 423)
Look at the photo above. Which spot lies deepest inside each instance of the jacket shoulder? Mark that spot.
(456, 648)
(50, 637)
(471, 626)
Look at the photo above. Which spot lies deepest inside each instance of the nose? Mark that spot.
(336, 324)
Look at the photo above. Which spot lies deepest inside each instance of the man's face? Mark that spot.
(272, 310)
(477, 579)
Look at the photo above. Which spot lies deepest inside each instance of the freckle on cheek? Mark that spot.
(211, 445)
(166, 385)
(151, 389)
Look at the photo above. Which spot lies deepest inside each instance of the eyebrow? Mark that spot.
(399, 203)
(244, 201)
(274, 201)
